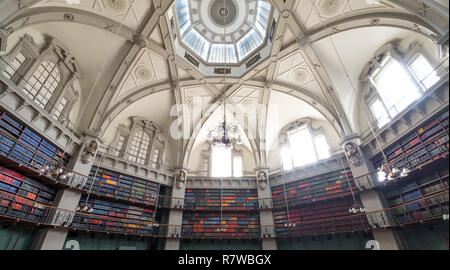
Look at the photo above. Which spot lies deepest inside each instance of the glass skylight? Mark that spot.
(184, 18)
(197, 43)
(194, 34)
(249, 43)
(222, 53)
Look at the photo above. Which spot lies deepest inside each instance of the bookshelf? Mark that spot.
(420, 147)
(424, 196)
(115, 217)
(229, 225)
(319, 218)
(23, 197)
(23, 145)
(319, 188)
(122, 187)
(221, 213)
(212, 199)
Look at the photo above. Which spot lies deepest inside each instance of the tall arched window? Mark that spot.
(399, 81)
(139, 147)
(224, 163)
(302, 148)
(43, 83)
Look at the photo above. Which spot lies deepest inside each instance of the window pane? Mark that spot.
(184, 18)
(249, 43)
(302, 147)
(197, 43)
(323, 151)
(424, 72)
(221, 162)
(237, 166)
(379, 113)
(286, 158)
(222, 53)
(396, 88)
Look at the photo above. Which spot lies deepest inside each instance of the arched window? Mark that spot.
(398, 83)
(13, 67)
(43, 83)
(119, 145)
(224, 163)
(139, 147)
(302, 148)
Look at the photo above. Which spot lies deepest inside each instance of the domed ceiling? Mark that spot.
(222, 32)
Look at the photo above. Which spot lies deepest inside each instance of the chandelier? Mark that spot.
(390, 173)
(225, 133)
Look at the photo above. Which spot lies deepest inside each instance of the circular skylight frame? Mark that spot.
(206, 56)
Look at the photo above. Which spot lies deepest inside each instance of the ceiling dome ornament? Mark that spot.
(144, 73)
(116, 5)
(330, 8)
(223, 12)
(301, 75)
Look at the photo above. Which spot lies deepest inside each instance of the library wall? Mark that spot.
(99, 241)
(215, 244)
(221, 213)
(433, 236)
(15, 236)
(350, 241)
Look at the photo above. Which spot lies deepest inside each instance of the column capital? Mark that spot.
(350, 138)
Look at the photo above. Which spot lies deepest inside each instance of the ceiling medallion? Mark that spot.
(301, 75)
(330, 7)
(116, 5)
(144, 73)
(223, 12)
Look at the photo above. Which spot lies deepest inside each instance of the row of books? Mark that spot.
(114, 217)
(314, 189)
(216, 224)
(225, 199)
(424, 191)
(25, 146)
(115, 185)
(320, 218)
(429, 142)
(23, 197)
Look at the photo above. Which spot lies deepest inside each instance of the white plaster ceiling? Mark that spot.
(154, 107)
(128, 12)
(294, 70)
(147, 68)
(355, 55)
(315, 12)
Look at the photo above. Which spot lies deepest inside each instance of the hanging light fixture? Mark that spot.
(225, 133)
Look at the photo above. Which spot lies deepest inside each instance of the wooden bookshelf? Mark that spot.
(319, 218)
(115, 217)
(215, 200)
(23, 145)
(324, 187)
(215, 225)
(221, 213)
(23, 197)
(420, 147)
(421, 197)
(122, 187)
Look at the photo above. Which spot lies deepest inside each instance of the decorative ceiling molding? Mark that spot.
(386, 18)
(32, 16)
